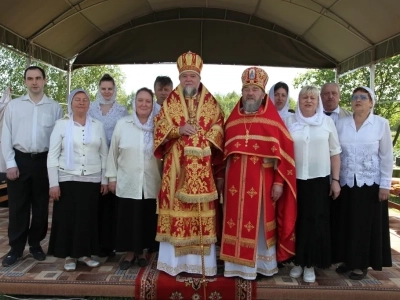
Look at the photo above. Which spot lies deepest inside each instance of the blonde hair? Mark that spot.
(309, 89)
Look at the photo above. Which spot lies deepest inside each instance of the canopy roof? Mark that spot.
(343, 34)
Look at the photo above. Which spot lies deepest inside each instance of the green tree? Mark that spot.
(128, 101)
(12, 66)
(387, 89)
(227, 102)
(292, 103)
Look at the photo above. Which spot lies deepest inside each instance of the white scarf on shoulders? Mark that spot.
(302, 121)
(147, 127)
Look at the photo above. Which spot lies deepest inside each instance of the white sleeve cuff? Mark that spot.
(11, 164)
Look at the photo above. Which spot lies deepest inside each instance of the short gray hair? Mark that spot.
(331, 83)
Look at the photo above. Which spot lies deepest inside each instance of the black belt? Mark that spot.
(31, 155)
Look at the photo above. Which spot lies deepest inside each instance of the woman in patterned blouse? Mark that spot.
(108, 111)
(360, 216)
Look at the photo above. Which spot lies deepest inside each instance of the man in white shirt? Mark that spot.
(162, 88)
(28, 123)
(330, 96)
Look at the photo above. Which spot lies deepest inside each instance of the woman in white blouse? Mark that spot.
(76, 166)
(108, 111)
(279, 95)
(135, 176)
(361, 217)
(317, 150)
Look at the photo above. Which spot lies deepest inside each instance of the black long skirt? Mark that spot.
(313, 246)
(361, 229)
(136, 225)
(108, 206)
(74, 229)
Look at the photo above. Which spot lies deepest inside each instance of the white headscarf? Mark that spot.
(148, 127)
(100, 98)
(284, 112)
(371, 94)
(302, 121)
(69, 134)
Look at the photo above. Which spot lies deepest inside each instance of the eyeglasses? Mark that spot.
(361, 97)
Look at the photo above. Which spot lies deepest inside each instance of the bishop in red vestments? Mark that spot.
(188, 136)
(260, 184)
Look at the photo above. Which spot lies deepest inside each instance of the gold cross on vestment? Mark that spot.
(249, 226)
(233, 190)
(252, 192)
(246, 139)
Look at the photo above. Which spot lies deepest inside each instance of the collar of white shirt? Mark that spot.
(45, 99)
(370, 119)
(336, 111)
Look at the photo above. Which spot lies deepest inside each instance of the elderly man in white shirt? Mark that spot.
(135, 176)
(28, 123)
(330, 96)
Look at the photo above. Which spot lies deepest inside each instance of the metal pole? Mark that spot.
(372, 76)
(28, 61)
(337, 75)
(69, 77)
(29, 57)
(372, 70)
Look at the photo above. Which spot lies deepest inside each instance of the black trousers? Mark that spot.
(28, 192)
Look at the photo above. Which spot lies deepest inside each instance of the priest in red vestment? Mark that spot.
(260, 184)
(188, 136)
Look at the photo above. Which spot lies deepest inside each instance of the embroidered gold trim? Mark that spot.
(262, 120)
(195, 249)
(268, 165)
(202, 198)
(238, 261)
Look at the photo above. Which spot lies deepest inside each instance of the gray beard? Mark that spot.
(189, 91)
(251, 107)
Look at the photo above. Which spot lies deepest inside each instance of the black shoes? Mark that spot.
(37, 253)
(358, 276)
(142, 262)
(125, 265)
(11, 258)
(342, 269)
(353, 276)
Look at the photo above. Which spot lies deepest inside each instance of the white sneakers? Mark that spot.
(308, 275)
(296, 272)
(70, 263)
(89, 262)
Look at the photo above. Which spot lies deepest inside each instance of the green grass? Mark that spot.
(394, 199)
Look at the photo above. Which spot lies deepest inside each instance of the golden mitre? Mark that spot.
(255, 76)
(189, 61)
